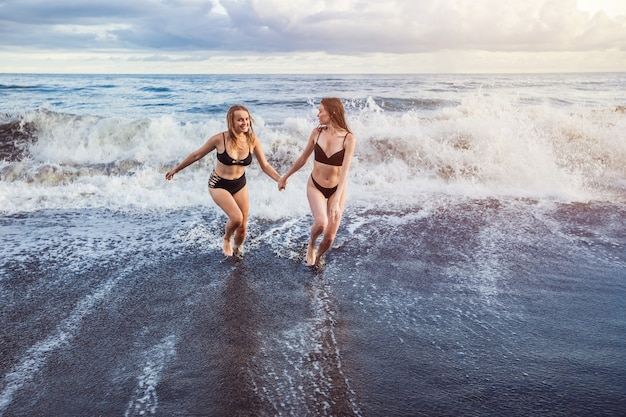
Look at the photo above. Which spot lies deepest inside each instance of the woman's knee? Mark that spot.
(237, 221)
(318, 227)
(329, 237)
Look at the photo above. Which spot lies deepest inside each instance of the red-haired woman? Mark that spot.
(333, 145)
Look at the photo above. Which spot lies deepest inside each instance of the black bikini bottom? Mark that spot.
(327, 192)
(232, 186)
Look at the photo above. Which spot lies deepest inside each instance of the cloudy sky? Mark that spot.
(311, 36)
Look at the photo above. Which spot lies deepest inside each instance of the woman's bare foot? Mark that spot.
(310, 254)
(228, 249)
(319, 263)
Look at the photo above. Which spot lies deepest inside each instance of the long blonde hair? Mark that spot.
(230, 115)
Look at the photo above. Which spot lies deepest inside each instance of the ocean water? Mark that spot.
(480, 268)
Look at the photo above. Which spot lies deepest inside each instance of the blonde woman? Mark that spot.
(227, 182)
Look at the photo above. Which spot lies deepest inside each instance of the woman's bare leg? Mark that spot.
(242, 200)
(330, 232)
(317, 202)
(235, 216)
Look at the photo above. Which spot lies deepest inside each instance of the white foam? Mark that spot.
(309, 368)
(145, 400)
(487, 146)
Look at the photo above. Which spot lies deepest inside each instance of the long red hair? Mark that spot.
(337, 113)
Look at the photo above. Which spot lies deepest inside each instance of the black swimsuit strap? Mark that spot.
(320, 133)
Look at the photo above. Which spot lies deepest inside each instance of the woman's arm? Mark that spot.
(300, 162)
(350, 145)
(265, 166)
(194, 156)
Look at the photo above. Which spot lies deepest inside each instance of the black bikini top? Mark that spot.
(335, 159)
(225, 159)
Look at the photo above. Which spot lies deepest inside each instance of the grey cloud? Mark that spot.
(66, 11)
(348, 27)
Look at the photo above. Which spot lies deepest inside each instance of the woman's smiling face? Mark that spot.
(241, 121)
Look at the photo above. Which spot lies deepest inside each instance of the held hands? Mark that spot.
(282, 183)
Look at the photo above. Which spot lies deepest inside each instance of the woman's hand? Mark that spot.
(335, 210)
(282, 183)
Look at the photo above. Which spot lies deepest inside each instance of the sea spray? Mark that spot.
(493, 140)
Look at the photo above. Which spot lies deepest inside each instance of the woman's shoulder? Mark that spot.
(218, 136)
(215, 141)
(316, 132)
(349, 140)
